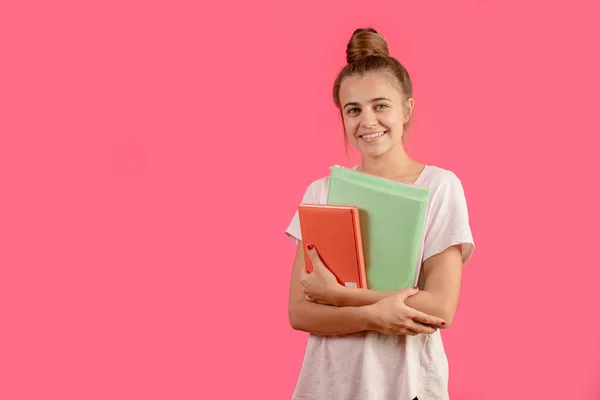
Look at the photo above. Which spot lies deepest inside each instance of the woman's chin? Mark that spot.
(374, 151)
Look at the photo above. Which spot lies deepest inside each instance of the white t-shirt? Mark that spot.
(373, 366)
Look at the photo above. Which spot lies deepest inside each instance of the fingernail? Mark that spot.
(443, 323)
(310, 247)
(416, 287)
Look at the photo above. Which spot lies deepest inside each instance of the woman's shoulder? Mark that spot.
(440, 173)
(316, 191)
(436, 177)
(444, 184)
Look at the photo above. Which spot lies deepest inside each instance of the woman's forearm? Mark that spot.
(322, 319)
(422, 301)
(348, 297)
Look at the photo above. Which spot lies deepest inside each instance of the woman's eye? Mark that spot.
(380, 106)
(353, 111)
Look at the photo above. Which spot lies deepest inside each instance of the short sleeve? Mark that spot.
(449, 220)
(310, 197)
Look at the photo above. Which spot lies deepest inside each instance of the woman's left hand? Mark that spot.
(320, 286)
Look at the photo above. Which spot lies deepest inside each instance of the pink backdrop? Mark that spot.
(142, 251)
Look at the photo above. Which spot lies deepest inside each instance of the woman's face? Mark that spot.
(374, 112)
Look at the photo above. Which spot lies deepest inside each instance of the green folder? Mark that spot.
(392, 219)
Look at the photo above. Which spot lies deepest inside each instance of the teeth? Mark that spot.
(373, 135)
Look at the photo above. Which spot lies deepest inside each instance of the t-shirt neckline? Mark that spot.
(416, 182)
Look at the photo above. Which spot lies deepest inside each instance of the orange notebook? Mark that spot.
(335, 232)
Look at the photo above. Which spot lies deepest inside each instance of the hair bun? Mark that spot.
(366, 42)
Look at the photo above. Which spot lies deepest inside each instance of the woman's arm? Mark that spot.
(439, 297)
(322, 319)
(442, 279)
(390, 315)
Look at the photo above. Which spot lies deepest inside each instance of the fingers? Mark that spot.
(407, 292)
(315, 300)
(411, 328)
(420, 328)
(313, 255)
(418, 316)
(426, 319)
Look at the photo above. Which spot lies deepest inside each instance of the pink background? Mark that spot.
(143, 202)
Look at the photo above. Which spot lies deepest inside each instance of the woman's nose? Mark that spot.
(368, 120)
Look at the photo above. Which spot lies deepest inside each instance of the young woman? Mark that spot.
(376, 345)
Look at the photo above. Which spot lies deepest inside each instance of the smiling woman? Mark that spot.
(375, 345)
(372, 72)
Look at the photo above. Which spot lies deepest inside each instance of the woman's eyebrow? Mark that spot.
(372, 101)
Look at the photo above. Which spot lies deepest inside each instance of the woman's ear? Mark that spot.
(408, 109)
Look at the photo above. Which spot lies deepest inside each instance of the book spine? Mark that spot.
(360, 256)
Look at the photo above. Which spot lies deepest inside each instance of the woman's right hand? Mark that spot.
(392, 316)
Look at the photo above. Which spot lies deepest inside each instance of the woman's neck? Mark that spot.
(395, 165)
